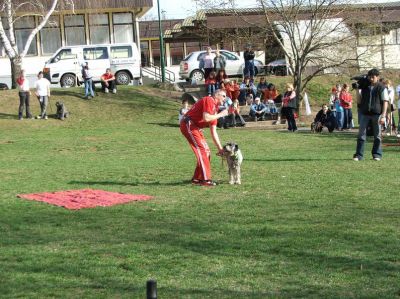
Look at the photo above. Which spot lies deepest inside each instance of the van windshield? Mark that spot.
(62, 55)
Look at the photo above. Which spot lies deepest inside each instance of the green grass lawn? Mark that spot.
(307, 222)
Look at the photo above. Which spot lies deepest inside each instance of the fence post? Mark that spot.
(151, 289)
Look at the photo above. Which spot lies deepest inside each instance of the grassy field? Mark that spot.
(308, 222)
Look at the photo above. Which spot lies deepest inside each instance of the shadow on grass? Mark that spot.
(134, 183)
(292, 159)
(165, 125)
(8, 116)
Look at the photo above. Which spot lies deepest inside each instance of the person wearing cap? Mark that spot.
(372, 103)
(258, 110)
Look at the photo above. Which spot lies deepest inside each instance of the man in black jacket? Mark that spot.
(372, 102)
(249, 62)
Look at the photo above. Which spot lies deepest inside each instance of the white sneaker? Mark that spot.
(38, 117)
(398, 135)
(46, 117)
(356, 159)
(377, 159)
(106, 90)
(114, 90)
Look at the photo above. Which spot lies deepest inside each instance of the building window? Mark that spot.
(23, 28)
(99, 29)
(74, 30)
(176, 52)
(145, 53)
(123, 27)
(155, 49)
(50, 36)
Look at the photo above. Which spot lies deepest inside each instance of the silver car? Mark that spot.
(189, 67)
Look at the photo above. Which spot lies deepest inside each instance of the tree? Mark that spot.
(315, 36)
(12, 11)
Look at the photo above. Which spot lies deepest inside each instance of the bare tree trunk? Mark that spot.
(16, 63)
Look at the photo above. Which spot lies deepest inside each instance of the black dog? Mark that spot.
(62, 111)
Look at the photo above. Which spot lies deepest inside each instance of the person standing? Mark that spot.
(346, 102)
(289, 107)
(88, 80)
(373, 102)
(42, 86)
(249, 62)
(219, 62)
(207, 62)
(202, 114)
(24, 96)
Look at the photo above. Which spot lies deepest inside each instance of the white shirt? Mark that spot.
(42, 87)
(24, 86)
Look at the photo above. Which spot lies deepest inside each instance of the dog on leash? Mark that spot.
(234, 159)
(62, 111)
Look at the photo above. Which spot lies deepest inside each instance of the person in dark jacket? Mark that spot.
(249, 62)
(219, 62)
(289, 107)
(372, 100)
(324, 118)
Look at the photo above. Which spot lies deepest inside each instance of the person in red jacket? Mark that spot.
(108, 82)
(203, 114)
(346, 101)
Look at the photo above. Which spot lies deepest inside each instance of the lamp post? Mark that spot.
(161, 44)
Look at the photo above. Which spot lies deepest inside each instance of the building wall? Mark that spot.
(70, 29)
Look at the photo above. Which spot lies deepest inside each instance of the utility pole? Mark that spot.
(161, 44)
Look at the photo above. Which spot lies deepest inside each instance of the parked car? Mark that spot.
(277, 67)
(189, 67)
(65, 65)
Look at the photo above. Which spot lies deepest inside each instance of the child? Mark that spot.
(184, 109)
(211, 83)
(234, 114)
(220, 78)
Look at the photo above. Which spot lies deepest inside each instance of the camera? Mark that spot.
(362, 82)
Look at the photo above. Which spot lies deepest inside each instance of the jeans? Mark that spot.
(24, 101)
(339, 119)
(248, 68)
(43, 101)
(89, 87)
(348, 117)
(211, 89)
(362, 135)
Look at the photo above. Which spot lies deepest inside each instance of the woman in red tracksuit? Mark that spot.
(201, 115)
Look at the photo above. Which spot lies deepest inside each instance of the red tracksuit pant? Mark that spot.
(200, 148)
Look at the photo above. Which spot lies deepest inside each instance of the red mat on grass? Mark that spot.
(85, 198)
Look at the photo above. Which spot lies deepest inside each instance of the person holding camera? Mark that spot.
(372, 99)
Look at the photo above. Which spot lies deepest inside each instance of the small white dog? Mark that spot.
(234, 159)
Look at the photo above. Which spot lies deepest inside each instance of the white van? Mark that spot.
(65, 66)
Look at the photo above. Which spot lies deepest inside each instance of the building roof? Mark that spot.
(149, 29)
(139, 6)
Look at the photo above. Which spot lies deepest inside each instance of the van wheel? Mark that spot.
(68, 80)
(197, 75)
(122, 78)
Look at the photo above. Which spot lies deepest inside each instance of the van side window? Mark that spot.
(121, 52)
(95, 53)
(64, 54)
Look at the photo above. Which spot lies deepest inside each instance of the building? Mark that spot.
(90, 22)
